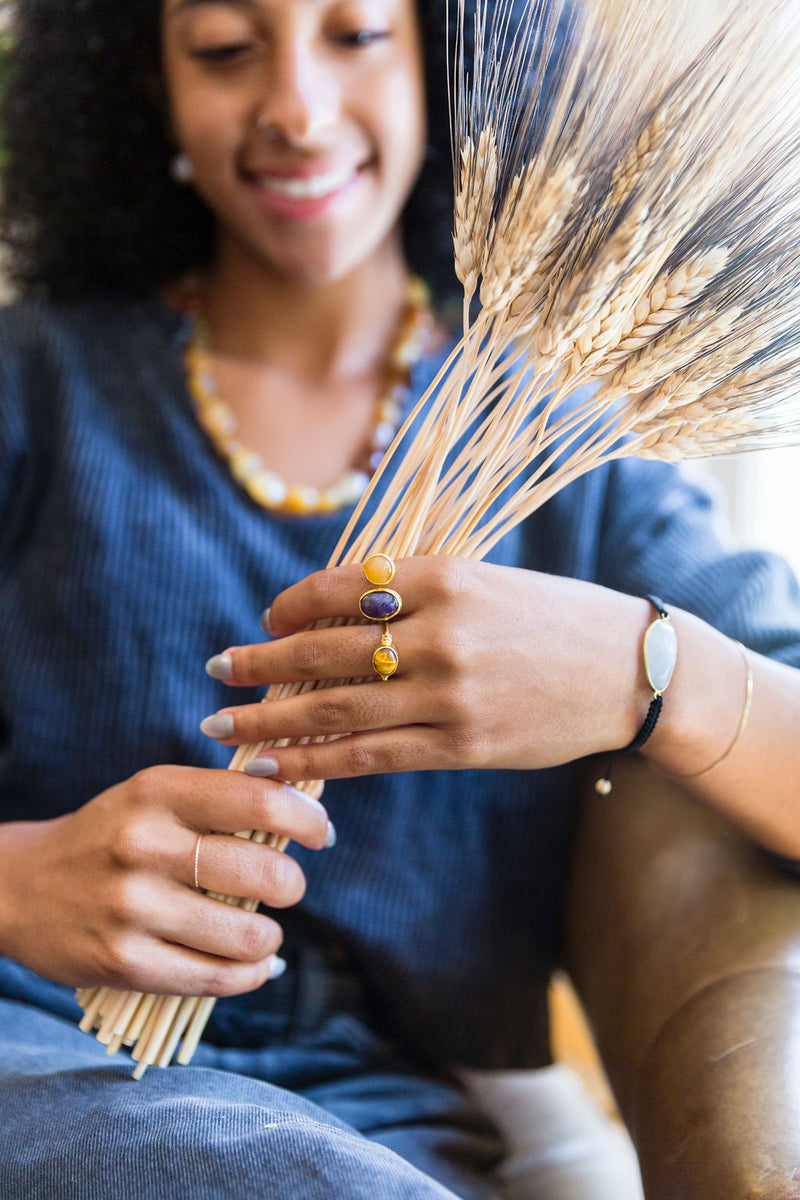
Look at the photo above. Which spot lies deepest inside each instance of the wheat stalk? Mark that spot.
(626, 207)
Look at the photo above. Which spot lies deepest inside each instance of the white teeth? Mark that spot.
(305, 189)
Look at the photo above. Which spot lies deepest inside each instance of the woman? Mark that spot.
(259, 170)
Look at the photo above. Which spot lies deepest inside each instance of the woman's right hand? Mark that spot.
(105, 895)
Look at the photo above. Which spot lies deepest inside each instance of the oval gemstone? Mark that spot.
(660, 653)
(379, 569)
(380, 604)
(385, 661)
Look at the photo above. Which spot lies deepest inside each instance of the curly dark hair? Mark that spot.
(89, 204)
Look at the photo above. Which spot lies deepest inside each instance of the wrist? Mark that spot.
(658, 656)
(20, 858)
(11, 835)
(621, 694)
(703, 706)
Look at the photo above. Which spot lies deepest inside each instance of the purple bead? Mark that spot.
(381, 604)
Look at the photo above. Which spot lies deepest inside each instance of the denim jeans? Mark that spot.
(334, 1110)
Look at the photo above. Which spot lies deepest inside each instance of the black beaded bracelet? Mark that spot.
(660, 649)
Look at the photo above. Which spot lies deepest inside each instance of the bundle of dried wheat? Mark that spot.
(627, 213)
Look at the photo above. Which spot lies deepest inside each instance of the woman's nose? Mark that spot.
(301, 101)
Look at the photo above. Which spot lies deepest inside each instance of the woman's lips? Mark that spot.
(302, 194)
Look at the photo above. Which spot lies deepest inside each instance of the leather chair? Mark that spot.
(683, 942)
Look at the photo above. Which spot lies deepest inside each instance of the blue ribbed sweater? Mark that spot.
(128, 555)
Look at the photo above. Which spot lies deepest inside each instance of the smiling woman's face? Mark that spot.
(304, 122)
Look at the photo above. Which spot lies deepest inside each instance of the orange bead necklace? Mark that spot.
(266, 487)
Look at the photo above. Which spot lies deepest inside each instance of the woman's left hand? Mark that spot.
(498, 667)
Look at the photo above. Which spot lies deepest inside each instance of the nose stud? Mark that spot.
(268, 129)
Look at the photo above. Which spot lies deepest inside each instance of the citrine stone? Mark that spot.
(379, 569)
(385, 661)
(380, 604)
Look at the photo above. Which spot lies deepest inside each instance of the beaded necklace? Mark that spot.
(266, 487)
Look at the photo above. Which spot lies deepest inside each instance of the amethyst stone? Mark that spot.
(380, 604)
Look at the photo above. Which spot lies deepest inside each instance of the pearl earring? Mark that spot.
(181, 168)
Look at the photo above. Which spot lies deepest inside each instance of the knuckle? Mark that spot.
(330, 713)
(130, 845)
(452, 650)
(308, 654)
(268, 878)
(229, 979)
(262, 804)
(119, 955)
(403, 755)
(306, 765)
(143, 786)
(220, 981)
(253, 940)
(449, 577)
(152, 786)
(360, 760)
(281, 882)
(319, 588)
(127, 901)
(469, 746)
(245, 665)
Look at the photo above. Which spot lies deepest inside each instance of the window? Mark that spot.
(763, 492)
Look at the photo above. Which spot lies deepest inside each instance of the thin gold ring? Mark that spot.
(200, 837)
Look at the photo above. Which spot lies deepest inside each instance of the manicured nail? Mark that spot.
(220, 666)
(264, 620)
(262, 767)
(277, 967)
(218, 725)
(330, 837)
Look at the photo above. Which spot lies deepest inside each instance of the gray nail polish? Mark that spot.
(218, 725)
(220, 666)
(277, 967)
(330, 837)
(261, 767)
(264, 620)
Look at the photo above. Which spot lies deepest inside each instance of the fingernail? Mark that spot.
(264, 620)
(277, 967)
(218, 725)
(330, 837)
(220, 666)
(261, 767)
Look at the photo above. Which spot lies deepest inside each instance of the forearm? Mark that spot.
(19, 856)
(757, 784)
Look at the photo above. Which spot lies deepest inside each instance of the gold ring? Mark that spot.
(385, 660)
(381, 603)
(200, 837)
